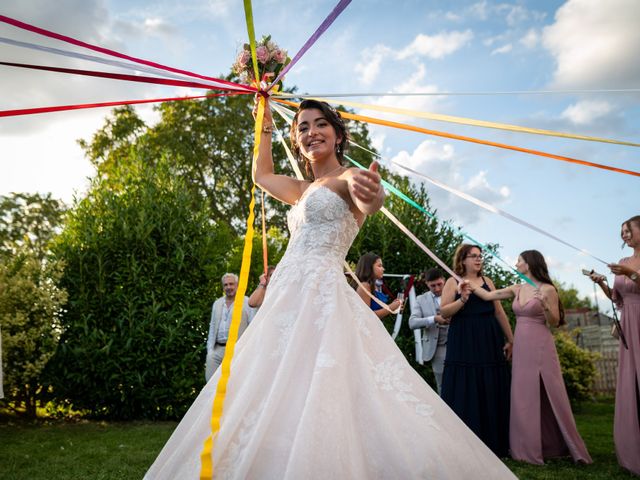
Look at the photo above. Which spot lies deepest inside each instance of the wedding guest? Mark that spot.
(476, 378)
(626, 294)
(221, 313)
(426, 317)
(370, 271)
(257, 297)
(541, 422)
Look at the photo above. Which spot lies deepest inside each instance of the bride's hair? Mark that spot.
(334, 119)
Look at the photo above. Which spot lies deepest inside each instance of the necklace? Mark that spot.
(328, 173)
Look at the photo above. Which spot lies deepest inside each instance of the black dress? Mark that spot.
(476, 378)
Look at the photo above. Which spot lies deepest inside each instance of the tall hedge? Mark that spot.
(142, 263)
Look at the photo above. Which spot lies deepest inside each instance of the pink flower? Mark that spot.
(243, 57)
(279, 55)
(262, 53)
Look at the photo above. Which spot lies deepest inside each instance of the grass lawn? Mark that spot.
(106, 451)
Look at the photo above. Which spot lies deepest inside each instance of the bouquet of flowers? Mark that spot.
(271, 60)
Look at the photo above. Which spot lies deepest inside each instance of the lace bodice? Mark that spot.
(321, 225)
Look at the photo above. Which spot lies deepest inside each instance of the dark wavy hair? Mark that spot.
(461, 253)
(364, 269)
(334, 119)
(538, 270)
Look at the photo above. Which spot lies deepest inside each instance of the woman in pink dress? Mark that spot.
(626, 294)
(541, 423)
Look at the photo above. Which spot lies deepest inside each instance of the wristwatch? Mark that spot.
(633, 276)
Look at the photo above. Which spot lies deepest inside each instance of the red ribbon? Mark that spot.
(60, 108)
(121, 76)
(113, 53)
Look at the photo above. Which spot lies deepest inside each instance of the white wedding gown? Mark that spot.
(318, 389)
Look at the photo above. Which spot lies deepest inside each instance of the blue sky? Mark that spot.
(381, 46)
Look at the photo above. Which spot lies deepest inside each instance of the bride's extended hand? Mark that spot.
(366, 185)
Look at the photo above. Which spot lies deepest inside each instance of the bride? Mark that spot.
(318, 389)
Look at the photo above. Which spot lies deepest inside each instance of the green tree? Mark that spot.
(570, 297)
(32, 219)
(30, 300)
(143, 262)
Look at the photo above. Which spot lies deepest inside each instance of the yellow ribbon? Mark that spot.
(206, 457)
(467, 121)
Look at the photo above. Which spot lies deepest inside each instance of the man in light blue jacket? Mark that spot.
(434, 327)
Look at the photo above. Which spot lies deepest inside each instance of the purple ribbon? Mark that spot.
(342, 4)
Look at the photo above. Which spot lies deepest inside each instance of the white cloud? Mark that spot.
(530, 39)
(436, 46)
(595, 44)
(587, 111)
(479, 10)
(369, 67)
(440, 162)
(503, 49)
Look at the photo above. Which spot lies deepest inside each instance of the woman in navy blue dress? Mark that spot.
(476, 378)
(370, 272)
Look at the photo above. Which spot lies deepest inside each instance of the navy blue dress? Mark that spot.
(477, 378)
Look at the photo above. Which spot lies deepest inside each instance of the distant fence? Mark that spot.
(597, 338)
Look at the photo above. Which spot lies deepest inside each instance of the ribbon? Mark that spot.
(61, 108)
(248, 15)
(454, 94)
(265, 252)
(452, 136)
(93, 58)
(113, 53)
(337, 10)
(417, 333)
(122, 76)
(494, 209)
(206, 457)
(471, 121)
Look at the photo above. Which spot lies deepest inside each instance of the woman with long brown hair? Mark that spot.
(541, 423)
(626, 294)
(475, 381)
(370, 271)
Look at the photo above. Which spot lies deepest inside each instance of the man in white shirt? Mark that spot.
(426, 316)
(221, 313)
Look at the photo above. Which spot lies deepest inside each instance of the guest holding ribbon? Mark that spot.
(370, 271)
(257, 297)
(626, 294)
(541, 424)
(476, 378)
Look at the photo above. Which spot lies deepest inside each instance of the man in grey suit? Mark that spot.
(426, 316)
(221, 313)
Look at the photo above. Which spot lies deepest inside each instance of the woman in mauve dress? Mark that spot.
(541, 423)
(626, 294)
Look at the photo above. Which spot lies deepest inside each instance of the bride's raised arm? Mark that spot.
(282, 187)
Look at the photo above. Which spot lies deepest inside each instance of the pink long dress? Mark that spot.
(541, 423)
(626, 427)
